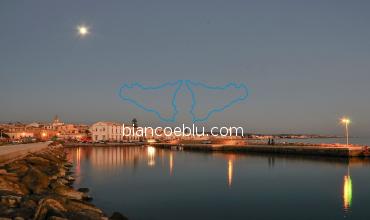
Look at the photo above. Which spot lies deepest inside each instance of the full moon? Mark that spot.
(83, 30)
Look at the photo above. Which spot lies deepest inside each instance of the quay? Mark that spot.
(331, 151)
(17, 151)
(133, 144)
(351, 151)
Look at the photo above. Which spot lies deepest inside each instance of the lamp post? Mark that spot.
(346, 121)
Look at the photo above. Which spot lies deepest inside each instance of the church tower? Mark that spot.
(56, 120)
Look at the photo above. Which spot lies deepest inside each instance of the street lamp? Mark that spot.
(346, 121)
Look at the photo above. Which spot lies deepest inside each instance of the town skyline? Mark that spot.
(56, 119)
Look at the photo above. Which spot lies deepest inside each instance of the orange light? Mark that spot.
(151, 141)
(171, 163)
(151, 155)
(347, 192)
(345, 120)
(230, 173)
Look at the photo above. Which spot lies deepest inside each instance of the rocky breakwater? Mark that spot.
(39, 186)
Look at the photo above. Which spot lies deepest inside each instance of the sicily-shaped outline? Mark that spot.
(188, 84)
(157, 113)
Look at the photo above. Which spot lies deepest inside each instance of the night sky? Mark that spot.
(306, 63)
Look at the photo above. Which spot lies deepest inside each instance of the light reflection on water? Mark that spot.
(347, 192)
(133, 179)
(171, 163)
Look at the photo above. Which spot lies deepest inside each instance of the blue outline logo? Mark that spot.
(178, 85)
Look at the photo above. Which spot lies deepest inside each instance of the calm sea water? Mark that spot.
(148, 183)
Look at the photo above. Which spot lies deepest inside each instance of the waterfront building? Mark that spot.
(46, 131)
(112, 131)
(16, 135)
(73, 132)
(17, 131)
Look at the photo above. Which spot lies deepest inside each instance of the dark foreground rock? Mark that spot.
(117, 216)
(39, 187)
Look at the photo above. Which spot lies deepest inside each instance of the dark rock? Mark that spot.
(87, 198)
(52, 157)
(49, 207)
(11, 183)
(36, 181)
(84, 215)
(62, 172)
(58, 182)
(68, 165)
(29, 204)
(44, 165)
(11, 201)
(70, 178)
(68, 192)
(79, 206)
(117, 216)
(84, 190)
(19, 167)
(54, 184)
(56, 218)
(24, 213)
(6, 212)
(37, 161)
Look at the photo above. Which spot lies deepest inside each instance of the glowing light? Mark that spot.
(151, 141)
(230, 172)
(346, 121)
(23, 134)
(151, 155)
(43, 134)
(171, 163)
(78, 165)
(151, 151)
(347, 192)
(83, 30)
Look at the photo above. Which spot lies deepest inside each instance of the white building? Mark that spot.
(111, 131)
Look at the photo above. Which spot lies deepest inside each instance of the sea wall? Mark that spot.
(39, 186)
(272, 149)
